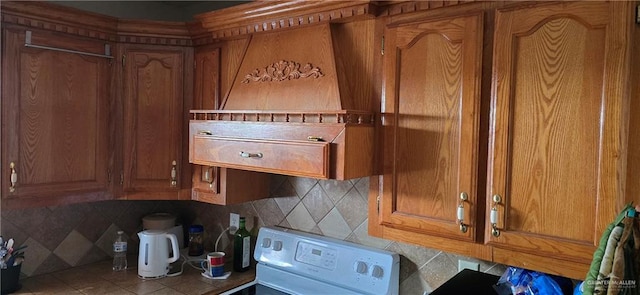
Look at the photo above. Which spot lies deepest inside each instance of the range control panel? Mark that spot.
(364, 269)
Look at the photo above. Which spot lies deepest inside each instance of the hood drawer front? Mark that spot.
(298, 158)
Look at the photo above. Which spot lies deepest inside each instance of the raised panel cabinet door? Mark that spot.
(153, 113)
(55, 108)
(206, 92)
(432, 75)
(557, 102)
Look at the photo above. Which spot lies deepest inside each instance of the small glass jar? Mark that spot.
(196, 247)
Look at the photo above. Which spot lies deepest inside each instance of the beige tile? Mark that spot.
(122, 278)
(193, 286)
(438, 270)
(362, 186)
(302, 185)
(105, 242)
(166, 291)
(36, 254)
(414, 285)
(364, 238)
(275, 181)
(102, 287)
(144, 287)
(75, 276)
(318, 203)
(268, 211)
(497, 269)
(333, 225)
(353, 209)
(286, 197)
(484, 265)
(299, 218)
(38, 284)
(335, 189)
(417, 254)
(73, 248)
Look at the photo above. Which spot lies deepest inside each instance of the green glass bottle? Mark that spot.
(241, 248)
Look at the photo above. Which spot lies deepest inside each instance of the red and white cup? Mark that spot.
(214, 264)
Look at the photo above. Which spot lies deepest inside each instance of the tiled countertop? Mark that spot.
(98, 278)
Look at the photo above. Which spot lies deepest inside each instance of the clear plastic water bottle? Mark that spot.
(120, 252)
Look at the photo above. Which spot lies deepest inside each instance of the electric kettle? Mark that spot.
(153, 257)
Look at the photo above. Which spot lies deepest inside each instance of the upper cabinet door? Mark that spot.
(556, 123)
(153, 114)
(432, 76)
(55, 108)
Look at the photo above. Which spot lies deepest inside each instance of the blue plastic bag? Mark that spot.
(526, 282)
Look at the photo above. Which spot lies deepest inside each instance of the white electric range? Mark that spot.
(294, 262)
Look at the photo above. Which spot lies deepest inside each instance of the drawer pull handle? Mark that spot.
(250, 155)
(205, 132)
(314, 138)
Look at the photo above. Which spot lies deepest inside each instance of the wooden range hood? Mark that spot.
(301, 104)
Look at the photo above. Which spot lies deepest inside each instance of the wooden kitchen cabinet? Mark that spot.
(432, 73)
(558, 143)
(557, 116)
(215, 185)
(153, 92)
(55, 119)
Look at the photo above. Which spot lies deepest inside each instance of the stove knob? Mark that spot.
(266, 243)
(360, 267)
(277, 245)
(377, 272)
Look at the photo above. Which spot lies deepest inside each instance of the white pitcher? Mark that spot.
(153, 257)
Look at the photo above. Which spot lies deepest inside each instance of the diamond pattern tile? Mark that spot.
(268, 211)
(34, 256)
(335, 189)
(73, 248)
(302, 185)
(63, 236)
(365, 239)
(299, 218)
(105, 242)
(333, 225)
(362, 186)
(353, 208)
(438, 270)
(415, 285)
(318, 203)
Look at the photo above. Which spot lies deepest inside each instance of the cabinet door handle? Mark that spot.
(205, 132)
(174, 174)
(460, 212)
(493, 217)
(250, 155)
(13, 178)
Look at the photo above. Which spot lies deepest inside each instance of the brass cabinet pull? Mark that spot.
(14, 177)
(494, 215)
(460, 212)
(250, 155)
(174, 174)
(314, 138)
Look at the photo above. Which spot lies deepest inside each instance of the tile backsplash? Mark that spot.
(66, 236)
